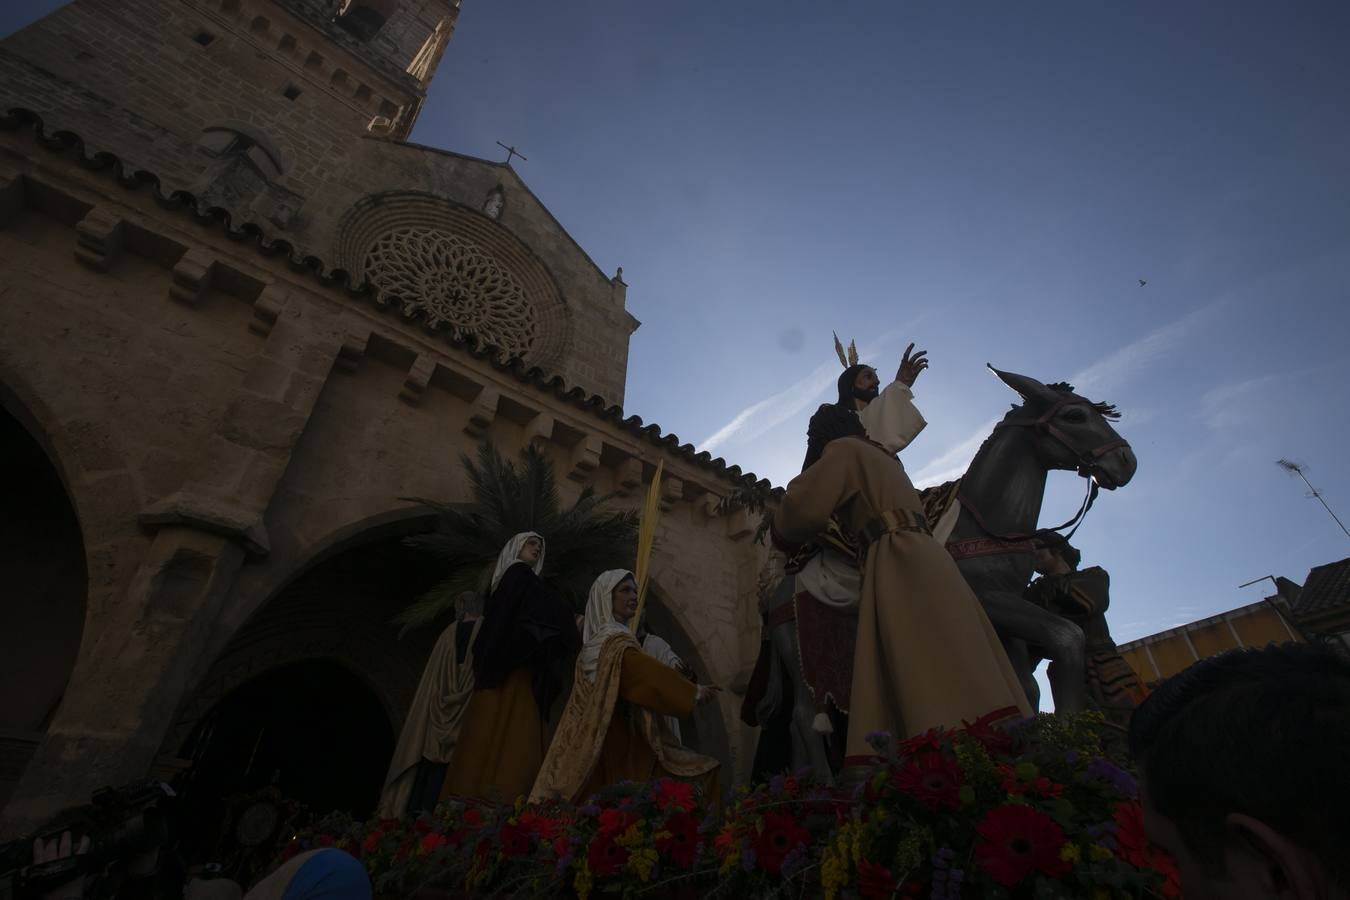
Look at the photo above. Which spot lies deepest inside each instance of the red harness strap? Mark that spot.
(973, 547)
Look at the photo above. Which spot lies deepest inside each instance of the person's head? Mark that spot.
(1244, 777)
(625, 600)
(858, 385)
(531, 549)
(526, 547)
(1054, 554)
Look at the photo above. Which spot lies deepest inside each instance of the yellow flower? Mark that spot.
(833, 873)
(1070, 853)
(1101, 893)
(583, 882)
(1098, 853)
(642, 862)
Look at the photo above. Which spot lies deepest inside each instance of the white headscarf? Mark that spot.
(600, 624)
(511, 554)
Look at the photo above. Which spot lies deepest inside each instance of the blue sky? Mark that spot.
(991, 181)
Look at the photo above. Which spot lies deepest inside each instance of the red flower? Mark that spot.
(431, 840)
(681, 847)
(541, 827)
(1134, 847)
(515, 840)
(874, 881)
(986, 729)
(421, 827)
(781, 835)
(929, 740)
(472, 817)
(560, 845)
(932, 779)
(616, 821)
(1163, 862)
(725, 840)
(604, 856)
(791, 786)
(372, 842)
(457, 837)
(1131, 842)
(670, 792)
(1018, 840)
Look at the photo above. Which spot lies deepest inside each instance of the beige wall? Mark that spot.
(223, 422)
(1163, 655)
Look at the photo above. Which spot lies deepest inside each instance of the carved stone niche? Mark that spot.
(243, 174)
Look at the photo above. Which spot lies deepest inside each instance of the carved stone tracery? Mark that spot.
(455, 284)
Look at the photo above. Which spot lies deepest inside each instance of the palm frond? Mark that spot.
(580, 541)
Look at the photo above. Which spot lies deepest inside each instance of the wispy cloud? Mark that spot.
(1107, 373)
(1224, 406)
(954, 460)
(759, 417)
(1234, 404)
(1136, 356)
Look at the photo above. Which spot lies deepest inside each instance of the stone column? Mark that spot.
(133, 674)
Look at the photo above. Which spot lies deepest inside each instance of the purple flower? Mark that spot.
(564, 862)
(776, 784)
(1107, 771)
(747, 858)
(590, 809)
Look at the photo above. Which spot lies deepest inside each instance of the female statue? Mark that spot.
(613, 728)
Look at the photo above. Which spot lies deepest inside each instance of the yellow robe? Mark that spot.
(611, 730)
(926, 653)
(501, 744)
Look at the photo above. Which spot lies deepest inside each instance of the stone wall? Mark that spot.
(223, 421)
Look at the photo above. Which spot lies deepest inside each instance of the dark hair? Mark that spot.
(1260, 732)
(1059, 545)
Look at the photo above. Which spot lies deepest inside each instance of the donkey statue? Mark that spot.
(1000, 503)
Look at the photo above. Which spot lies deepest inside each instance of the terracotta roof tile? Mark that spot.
(1327, 588)
(70, 143)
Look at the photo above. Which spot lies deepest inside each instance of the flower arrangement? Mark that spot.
(1032, 810)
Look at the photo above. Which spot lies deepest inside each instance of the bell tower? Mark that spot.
(254, 102)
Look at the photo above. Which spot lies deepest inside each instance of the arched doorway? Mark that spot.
(44, 595)
(704, 731)
(306, 700)
(312, 730)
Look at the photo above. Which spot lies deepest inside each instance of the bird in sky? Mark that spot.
(1142, 282)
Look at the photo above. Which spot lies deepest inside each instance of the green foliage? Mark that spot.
(580, 541)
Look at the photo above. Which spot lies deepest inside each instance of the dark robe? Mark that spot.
(526, 625)
(1082, 597)
(528, 636)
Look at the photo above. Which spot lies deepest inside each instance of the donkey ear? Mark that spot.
(1028, 387)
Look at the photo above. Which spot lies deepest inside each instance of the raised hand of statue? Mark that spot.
(911, 366)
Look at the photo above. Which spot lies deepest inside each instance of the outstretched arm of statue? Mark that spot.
(647, 683)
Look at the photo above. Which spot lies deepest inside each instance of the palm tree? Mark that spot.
(580, 541)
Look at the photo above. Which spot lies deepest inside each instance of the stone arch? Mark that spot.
(45, 598)
(458, 271)
(312, 729)
(337, 605)
(709, 733)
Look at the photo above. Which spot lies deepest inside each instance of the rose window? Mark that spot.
(456, 284)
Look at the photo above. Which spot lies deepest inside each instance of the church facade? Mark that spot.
(241, 318)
